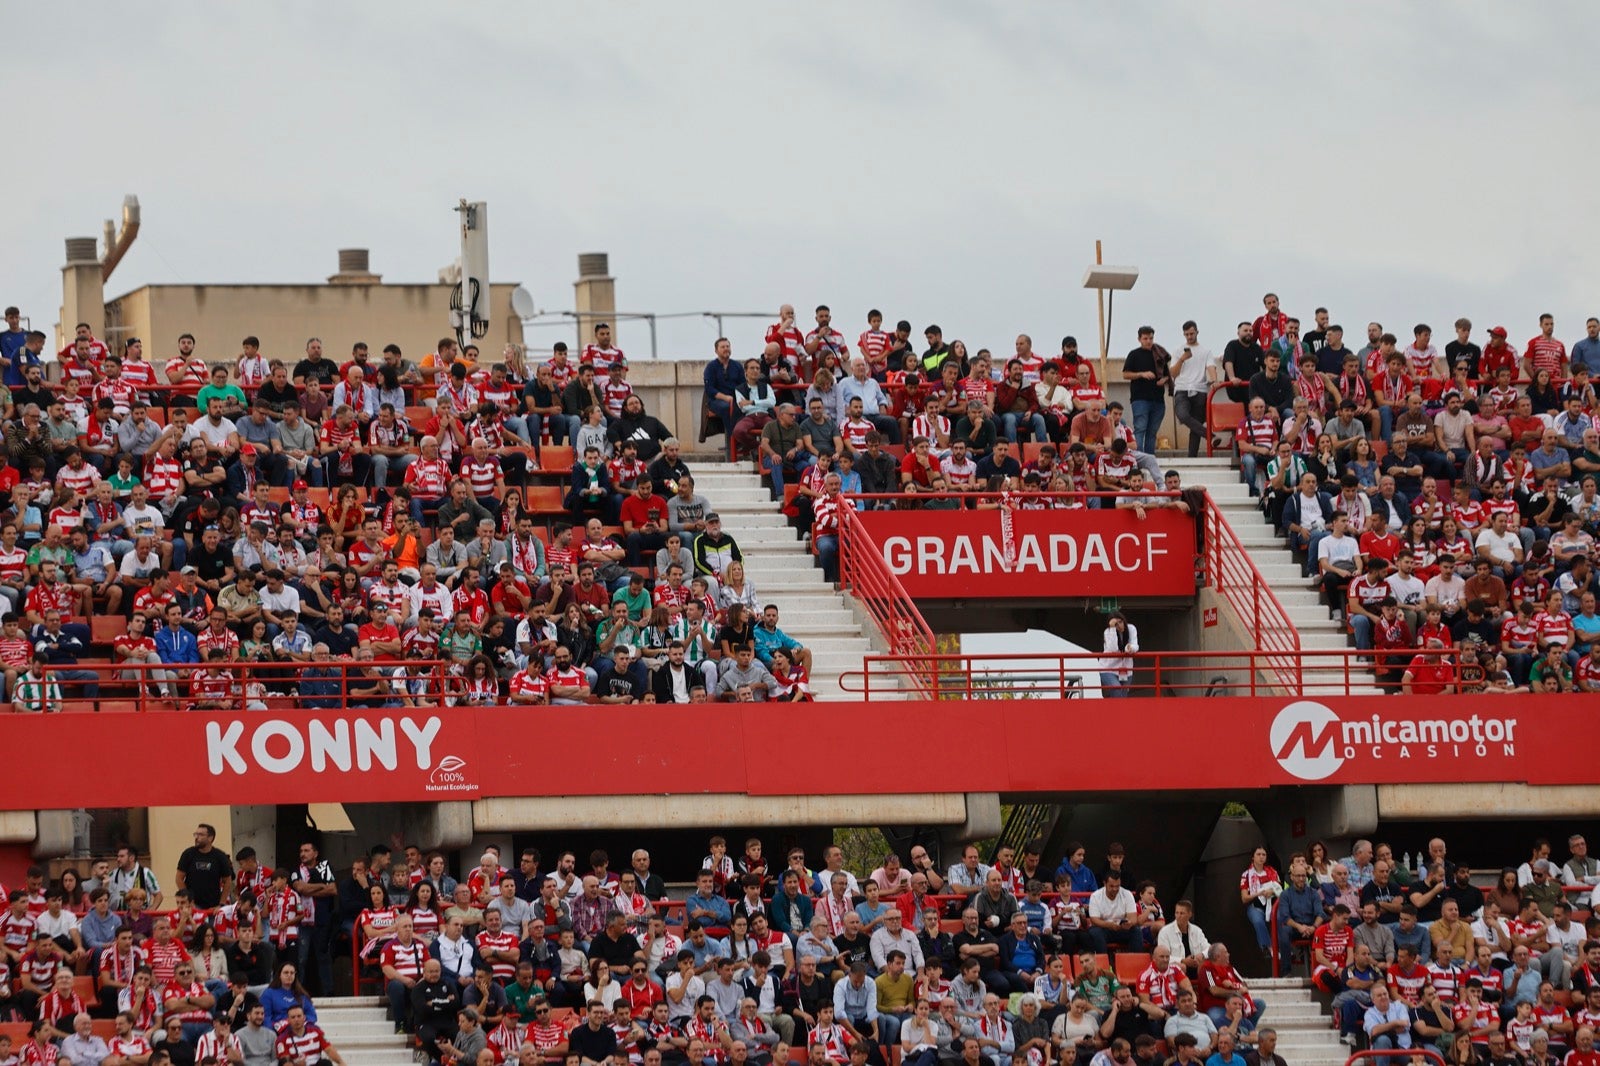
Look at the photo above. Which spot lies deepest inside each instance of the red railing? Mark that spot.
(1076, 675)
(1232, 574)
(868, 578)
(1418, 1052)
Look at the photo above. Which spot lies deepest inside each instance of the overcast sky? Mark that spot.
(948, 162)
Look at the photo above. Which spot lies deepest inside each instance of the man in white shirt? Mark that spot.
(1112, 914)
(1407, 588)
(1500, 546)
(1194, 370)
(455, 953)
(893, 936)
(1445, 589)
(1338, 558)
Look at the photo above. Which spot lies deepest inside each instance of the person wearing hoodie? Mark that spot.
(645, 431)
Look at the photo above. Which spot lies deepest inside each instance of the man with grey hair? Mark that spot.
(1265, 1053)
(1359, 864)
(83, 1047)
(781, 450)
(1580, 868)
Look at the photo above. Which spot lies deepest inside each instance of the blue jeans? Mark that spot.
(1361, 626)
(774, 466)
(1147, 418)
(1112, 686)
(726, 413)
(1036, 427)
(828, 555)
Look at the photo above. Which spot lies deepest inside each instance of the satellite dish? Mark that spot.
(522, 303)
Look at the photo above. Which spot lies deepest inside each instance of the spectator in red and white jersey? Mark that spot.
(82, 334)
(787, 335)
(875, 344)
(302, 1044)
(1545, 352)
(825, 341)
(616, 390)
(77, 363)
(186, 372)
(1272, 323)
(601, 353)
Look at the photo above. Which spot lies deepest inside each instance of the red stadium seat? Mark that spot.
(1130, 964)
(544, 499)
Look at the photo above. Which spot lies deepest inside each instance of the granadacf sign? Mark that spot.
(1053, 553)
(431, 754)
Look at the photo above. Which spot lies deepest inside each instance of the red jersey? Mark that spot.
(138, 373)
(1161, 986)
(1406, 985)
(874, 344)
(428, 478)
(163, 476)
(1335, 946)
(406, 961)
(501, 941)
(530, 685)
(600, 358)
(164, 958)
(309, 1045)
(1547, 353)
(790, 340)
(484, 477)
(1554, 628)
(175, 990)
(1484, 1014)
(191, 372)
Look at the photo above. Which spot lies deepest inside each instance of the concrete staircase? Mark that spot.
(1278, 567)
(780, 564)
(1306, 1036)
(357, 1028)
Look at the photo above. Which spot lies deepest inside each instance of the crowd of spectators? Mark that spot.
(1413, 953)
(763, 956)
(1444, 502)
(322, 533)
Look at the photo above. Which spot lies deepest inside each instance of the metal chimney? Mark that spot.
(354, 268)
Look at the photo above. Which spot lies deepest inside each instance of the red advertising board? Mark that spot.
(431, 755)
(1044, 554)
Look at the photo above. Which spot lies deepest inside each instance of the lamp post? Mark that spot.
(1107, 279)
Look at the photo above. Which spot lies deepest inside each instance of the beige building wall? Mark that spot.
(286, 316)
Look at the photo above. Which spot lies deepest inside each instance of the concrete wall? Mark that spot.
(285, 316)
(691, 810)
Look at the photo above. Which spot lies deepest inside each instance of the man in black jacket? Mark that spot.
(434, 1002)
(878, 469)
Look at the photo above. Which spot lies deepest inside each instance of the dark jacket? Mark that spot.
(1293, 516)
(724, 379)
(778, 912)
(646, 432)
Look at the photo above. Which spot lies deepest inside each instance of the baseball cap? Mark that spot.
(189, 570)
(618, 364)
(247, 449)
(301, 484)
(1497, 331)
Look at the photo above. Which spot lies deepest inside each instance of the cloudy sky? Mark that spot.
(948, 162)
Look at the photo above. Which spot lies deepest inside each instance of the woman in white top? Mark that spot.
(736, 588)
(919, 1038)
(1075, 1033)
(1321, 865)
(601, 985)
(1116, 667)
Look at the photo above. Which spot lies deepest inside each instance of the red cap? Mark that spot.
(247, 449)
(1497, 331)
(301, 485)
